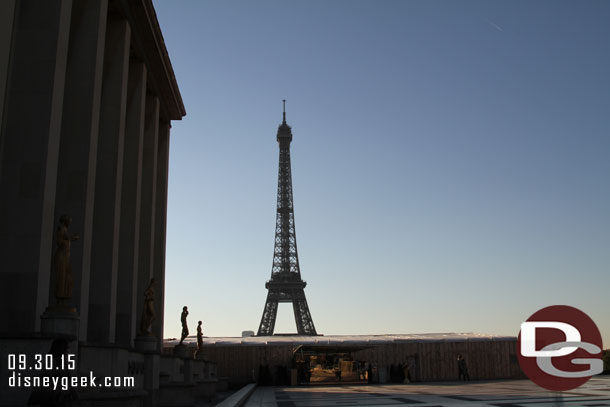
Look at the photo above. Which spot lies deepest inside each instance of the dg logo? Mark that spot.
(560, 348)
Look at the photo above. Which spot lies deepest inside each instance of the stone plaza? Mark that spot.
(501, 393)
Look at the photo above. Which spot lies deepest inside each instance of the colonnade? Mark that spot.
(87, 95)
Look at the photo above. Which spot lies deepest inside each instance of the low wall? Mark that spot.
(435, 360)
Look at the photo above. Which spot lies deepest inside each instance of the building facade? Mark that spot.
(87, 97)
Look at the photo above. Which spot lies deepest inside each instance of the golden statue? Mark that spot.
(61, 261)
(148, 313)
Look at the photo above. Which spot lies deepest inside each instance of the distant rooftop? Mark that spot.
(338, 339)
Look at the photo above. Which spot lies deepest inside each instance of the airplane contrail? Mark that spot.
(494, 25)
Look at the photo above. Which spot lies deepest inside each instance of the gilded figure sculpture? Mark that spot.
(61, 261)
(148, 313)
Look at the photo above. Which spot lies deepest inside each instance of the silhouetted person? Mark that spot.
(307, 371)
(462, 368)
(412, 367)
(405, 372)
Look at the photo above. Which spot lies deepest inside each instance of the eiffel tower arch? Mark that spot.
(286, 284)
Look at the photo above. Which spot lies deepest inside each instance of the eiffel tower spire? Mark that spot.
(285, 284)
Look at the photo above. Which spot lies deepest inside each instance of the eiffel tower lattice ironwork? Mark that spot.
(285, 284)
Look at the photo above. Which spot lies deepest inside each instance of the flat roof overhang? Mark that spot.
(338, 348)
(150, 45)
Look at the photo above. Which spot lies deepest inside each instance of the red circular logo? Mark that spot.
(560, 348)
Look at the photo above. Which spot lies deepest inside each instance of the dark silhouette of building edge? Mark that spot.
(87, 97)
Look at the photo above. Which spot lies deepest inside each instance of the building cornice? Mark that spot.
(150, 46)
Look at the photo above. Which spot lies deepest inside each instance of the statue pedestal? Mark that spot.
(181, 351)
(146, 344)
(200, 355)
(60, 321)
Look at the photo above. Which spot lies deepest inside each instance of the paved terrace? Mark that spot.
(336, 339)
(505, 393)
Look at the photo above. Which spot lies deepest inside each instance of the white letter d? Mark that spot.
(528, 338)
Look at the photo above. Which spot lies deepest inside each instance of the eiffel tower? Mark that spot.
(285, 284)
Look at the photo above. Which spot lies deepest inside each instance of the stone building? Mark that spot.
(87, 96)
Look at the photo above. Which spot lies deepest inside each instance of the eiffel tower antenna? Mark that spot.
(285, 284)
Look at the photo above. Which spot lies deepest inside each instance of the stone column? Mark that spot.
(30, 149)
(147, 207)
(130, 207)
(7, 19)
(161, 226)
(108, 185)
(79, 134)
(152, 366)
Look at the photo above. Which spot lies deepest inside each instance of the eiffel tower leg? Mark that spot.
(302, 315)
(297, 317)
(269, 314)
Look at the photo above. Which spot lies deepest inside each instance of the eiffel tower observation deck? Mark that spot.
(286, 284)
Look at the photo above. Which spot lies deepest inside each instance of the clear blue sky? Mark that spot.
(451, 161)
